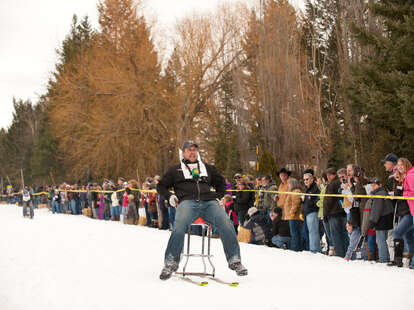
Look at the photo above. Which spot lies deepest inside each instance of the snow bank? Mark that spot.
(72, 262)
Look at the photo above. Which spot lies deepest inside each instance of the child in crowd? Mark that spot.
(228, 205)
(354, 237)
(280, 229)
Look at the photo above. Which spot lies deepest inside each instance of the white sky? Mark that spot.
(31, 30)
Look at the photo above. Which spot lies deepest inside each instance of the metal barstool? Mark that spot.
(205, 231)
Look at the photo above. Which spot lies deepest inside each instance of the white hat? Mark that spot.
(252, 211)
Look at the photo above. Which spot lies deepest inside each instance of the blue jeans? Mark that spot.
(304, 232)
(383, 254)
(327, 234)
(73, 206)
(147, 215)
(116, 211)
(404, 230)
(171, 217)
(412, 260)
(340, 239)
(294, 226)
(279, 241)
(165, 218)
(187, 212)
(54, 207)
(27, 204)
(312, 221)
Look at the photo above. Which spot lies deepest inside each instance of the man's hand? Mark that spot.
(173, 201)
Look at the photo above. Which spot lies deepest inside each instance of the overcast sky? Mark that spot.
(31, 30)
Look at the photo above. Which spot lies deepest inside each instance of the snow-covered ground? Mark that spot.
(72, 262)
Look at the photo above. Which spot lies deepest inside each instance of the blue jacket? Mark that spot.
(353, 242)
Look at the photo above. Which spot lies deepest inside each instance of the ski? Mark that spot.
(218, 280)
(204, 283)
(189, 280)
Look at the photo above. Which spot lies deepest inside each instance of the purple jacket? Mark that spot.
(228, 188)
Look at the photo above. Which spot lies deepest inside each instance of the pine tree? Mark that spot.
(382, 87)
(225, 143)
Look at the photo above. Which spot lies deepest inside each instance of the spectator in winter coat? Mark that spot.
(354, 237)
(293, 213)
(406, 169)
(310, 212)
(403, 232)
(145, 200)
(381, 218)
(284, 175)
(390, 165)
(131, 190)
(357, 182)
(370, 245)
(116, 208)
(335, 215)
(132, 213)
(258, 226)
(243, 200)
(280, 233)
(56, 202)
(27, 203)
(266, 199)
(163, 207)
(228, 205)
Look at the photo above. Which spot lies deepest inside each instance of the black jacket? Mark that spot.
(332, 205)
(309, 204)
(260, 229)
(402, 205)
(190, 189)
(243, 201)
(280, 227)
(382, 211)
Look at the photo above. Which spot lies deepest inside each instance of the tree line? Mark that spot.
(324, 87)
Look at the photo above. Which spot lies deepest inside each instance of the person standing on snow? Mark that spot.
(191, 181)
(27, 203)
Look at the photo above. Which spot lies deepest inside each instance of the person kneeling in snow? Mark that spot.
(258, 226)
(354, 233)
(280, 229)
(191, 181)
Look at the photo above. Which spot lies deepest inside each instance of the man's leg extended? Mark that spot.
(214, 214)
(187, 212)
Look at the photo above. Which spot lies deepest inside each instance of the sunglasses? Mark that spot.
(307, 179)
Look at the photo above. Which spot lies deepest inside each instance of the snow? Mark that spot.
(73, 262)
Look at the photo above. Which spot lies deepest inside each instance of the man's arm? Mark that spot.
(166, 183)
(218, 182)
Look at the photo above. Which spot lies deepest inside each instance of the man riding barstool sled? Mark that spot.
(191, 181)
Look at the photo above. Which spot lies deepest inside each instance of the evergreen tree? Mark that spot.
(382, 87)
(225, 143)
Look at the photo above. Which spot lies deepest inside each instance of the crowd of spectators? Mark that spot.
(298, 217)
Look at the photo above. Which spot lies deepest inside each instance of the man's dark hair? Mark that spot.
(331, 171)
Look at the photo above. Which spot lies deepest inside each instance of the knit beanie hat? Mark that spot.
(252, 211)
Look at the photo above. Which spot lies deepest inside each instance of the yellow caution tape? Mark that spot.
(231, 190)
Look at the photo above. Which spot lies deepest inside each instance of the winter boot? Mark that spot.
(167, 271)
(398, 250)
(238, 268)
